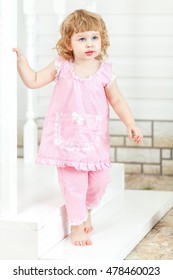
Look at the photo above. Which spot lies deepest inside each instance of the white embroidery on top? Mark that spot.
(77, 132)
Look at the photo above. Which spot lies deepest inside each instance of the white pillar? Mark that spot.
(8, 109)
(30, 127)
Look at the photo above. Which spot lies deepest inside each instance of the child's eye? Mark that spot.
(82, 39)
(94, 38)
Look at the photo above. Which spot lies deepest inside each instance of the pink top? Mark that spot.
(75, 131)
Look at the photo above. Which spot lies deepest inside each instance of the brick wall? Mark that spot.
(153, 156)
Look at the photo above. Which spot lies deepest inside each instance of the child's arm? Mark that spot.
(31, 78)
(122, 109)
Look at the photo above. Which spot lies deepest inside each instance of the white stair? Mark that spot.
(42, 221)
(118, 226)
(37, 232)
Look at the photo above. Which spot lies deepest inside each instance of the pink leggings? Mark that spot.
(82, 190)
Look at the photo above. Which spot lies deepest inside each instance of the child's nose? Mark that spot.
(89, 43)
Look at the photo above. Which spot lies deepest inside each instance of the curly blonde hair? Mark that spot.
(81, 21)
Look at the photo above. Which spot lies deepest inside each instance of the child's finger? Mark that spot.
(139, 138)
(17, 51)
(135, 134)
(14, 49)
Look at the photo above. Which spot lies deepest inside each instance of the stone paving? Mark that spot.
(158, 243)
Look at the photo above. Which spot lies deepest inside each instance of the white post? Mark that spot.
(8, 109)
(30, 127)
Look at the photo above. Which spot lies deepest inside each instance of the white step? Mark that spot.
(42, 221)
(118, 227)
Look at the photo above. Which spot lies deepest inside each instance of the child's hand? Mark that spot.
(134, 133)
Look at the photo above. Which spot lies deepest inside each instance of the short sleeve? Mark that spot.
(111, 79)
(107, 74)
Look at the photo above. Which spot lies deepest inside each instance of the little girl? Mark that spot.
(75, 133)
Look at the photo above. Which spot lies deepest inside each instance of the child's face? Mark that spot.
(86, 45)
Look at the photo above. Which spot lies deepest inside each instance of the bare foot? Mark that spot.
(79, 237)
(88, 228)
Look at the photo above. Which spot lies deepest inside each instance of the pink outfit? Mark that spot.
(75, 130)
(82, 190)
(75, 137)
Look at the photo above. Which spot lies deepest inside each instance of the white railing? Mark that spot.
(8, 109)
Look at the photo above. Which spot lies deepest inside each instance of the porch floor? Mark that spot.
(157, 244)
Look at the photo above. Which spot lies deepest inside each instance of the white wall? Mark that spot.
(141, 51)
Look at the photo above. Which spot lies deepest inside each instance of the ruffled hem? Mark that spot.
(94, 166)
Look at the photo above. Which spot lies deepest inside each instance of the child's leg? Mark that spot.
(74, 186)
(97, 183)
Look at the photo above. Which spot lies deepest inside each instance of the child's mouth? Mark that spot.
(89, 53)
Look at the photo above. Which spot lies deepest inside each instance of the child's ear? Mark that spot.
(69, 48)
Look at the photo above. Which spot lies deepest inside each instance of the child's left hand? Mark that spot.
(134, 133)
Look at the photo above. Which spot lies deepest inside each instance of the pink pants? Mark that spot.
(82, 190)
